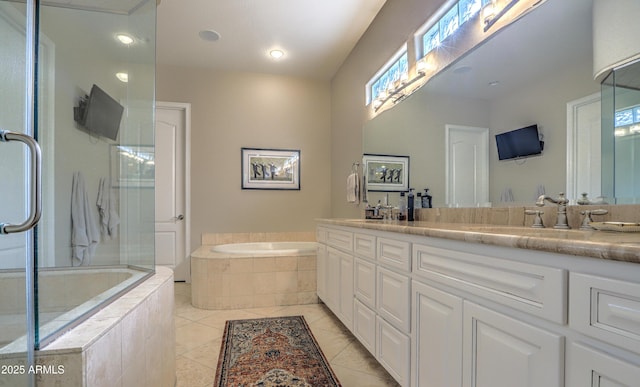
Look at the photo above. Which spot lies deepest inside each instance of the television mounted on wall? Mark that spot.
(99, 113)
(523, 142)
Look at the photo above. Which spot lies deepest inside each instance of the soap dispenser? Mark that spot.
(403, 207)
(426, 199)
(410, 205)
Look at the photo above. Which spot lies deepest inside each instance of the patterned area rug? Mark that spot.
(270, 352)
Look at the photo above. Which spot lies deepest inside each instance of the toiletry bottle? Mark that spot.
(426, 199)
(418, 202)
(410, 202)
(403, 207)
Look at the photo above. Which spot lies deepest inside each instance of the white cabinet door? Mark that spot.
(365, 281)
(393, 299)
(364, 325)
(346, 290)
(437, 327)
(500, 351)
(588, 367)
(393, 351)
(321, 272)
(333, 279)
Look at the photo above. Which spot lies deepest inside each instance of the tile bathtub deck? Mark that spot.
(199, 335)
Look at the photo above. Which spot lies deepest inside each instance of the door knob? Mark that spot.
(179, 217)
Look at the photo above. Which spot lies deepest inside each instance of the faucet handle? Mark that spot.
(587, 217)
(537, 222)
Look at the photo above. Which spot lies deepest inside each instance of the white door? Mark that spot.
(583, 147)
(467, 166)
(172, 188)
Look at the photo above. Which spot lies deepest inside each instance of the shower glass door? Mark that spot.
(17, 253)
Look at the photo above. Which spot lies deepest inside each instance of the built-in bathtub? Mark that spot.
(126, 341)
(247, 273)
(267, 248)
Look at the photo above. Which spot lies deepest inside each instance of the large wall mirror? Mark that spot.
(538, 70)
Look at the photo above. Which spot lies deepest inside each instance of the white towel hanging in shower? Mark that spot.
(109, 219)
(84, 232)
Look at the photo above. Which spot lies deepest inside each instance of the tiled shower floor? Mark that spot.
(199, 333)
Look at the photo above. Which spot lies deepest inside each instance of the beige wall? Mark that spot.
(234, 110)
(393, 26)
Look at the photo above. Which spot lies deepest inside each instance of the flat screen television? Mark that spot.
(99, 113)
(519, 143)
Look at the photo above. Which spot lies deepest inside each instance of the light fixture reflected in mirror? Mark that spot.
(494, 10)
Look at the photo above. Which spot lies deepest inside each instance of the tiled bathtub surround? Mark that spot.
(222, 281)
(130, 342)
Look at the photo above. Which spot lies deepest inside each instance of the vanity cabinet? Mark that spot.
(335, 272)
(445, 313)
(368, 287)
(461, 342)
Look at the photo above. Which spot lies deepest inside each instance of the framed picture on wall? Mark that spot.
(386, 173)
(270, 169)
(132, 166)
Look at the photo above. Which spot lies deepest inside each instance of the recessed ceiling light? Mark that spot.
(276, 54)
(123, 77)
(209, 35)
(125, 39)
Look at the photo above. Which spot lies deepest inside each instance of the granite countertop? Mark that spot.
(618, 246)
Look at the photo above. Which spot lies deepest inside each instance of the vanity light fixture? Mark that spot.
(276, 54)
(396, 90)
(634, 129)
(620, 132)
(494, 10)
(125, 39)
(122, 77)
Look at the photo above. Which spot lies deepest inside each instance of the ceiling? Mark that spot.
(316, 35)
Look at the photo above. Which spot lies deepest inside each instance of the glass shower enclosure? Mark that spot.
(621, 134)
(77, 84)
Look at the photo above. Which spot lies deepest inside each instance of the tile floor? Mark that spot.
(199, 334)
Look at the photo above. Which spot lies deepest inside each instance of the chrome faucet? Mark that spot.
(562, 202)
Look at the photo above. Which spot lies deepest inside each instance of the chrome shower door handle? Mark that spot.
(35, 196)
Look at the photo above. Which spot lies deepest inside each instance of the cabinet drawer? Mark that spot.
(606, 309)
(340, 239)
(394, 253)
(393, 298)
(393, 351)
(364, 245)
(364, 285)
(364, 325)
(538, 290)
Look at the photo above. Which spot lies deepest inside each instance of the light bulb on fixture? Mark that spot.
(488, 12)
